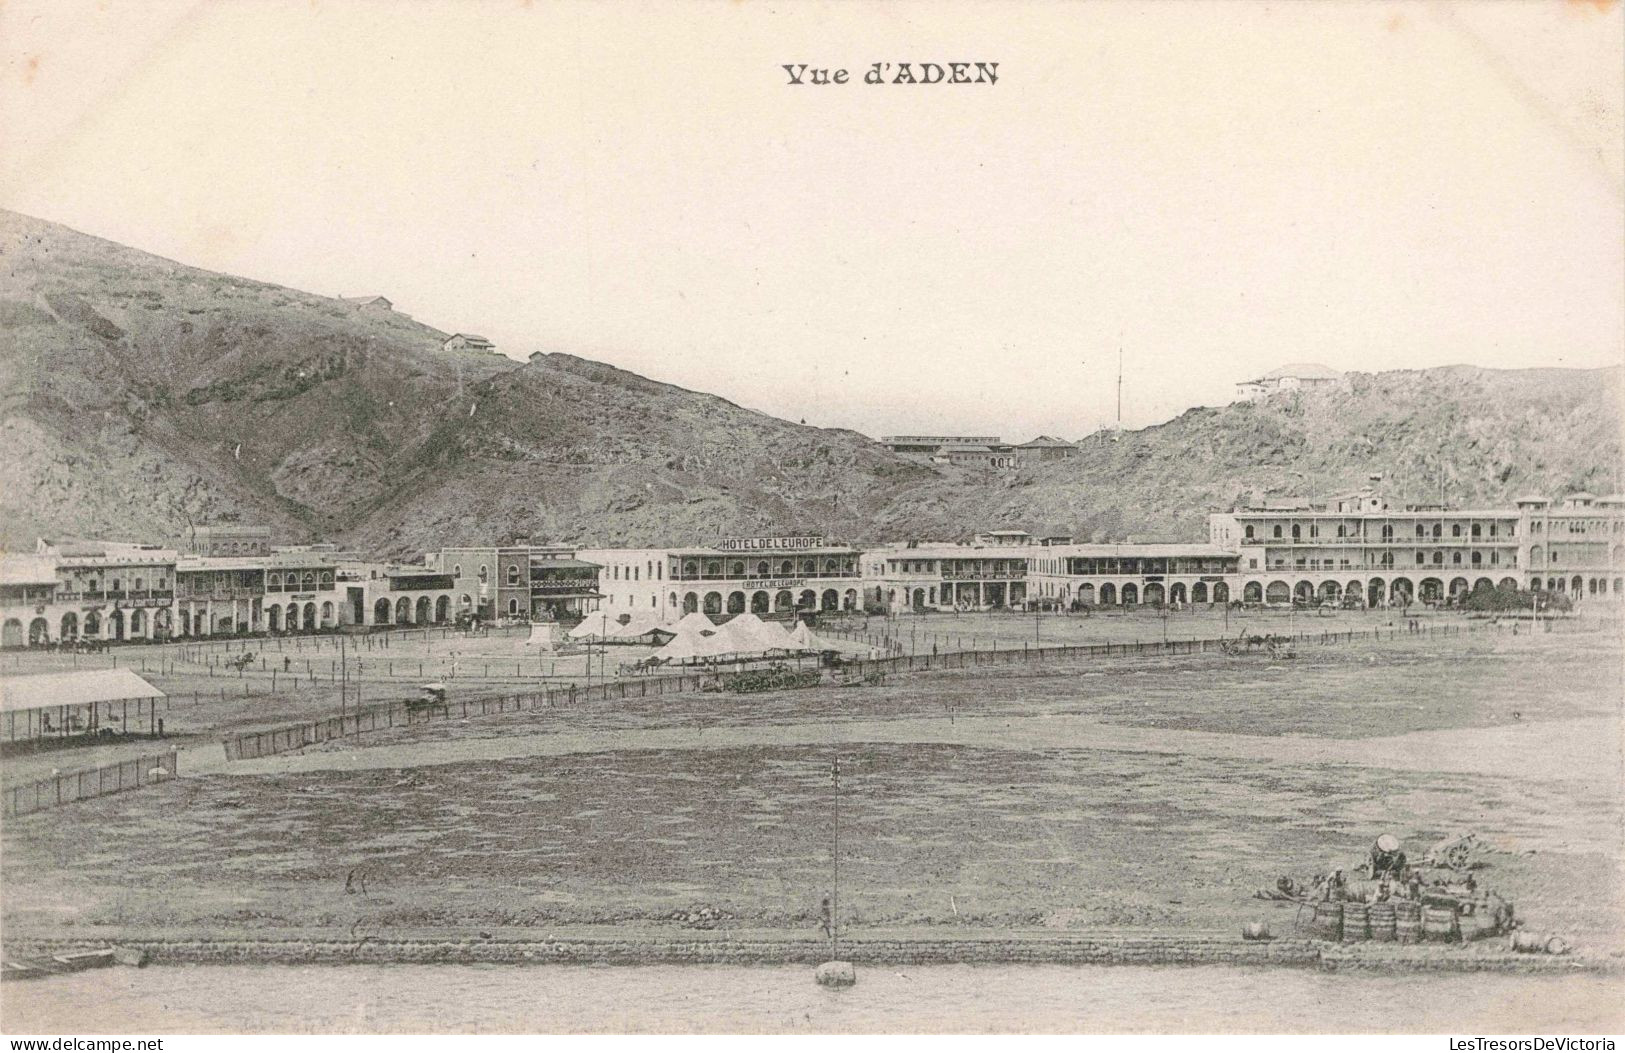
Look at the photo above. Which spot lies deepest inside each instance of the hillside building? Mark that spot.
(368, 303)
(229, 539)
(980, 451)
(469, 342)
(1298, 376)
(1046, 448)
(928, 445)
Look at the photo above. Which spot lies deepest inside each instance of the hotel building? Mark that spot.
(1125, 575)
(944, 577)
(1355, 550)
(519, 581)
(777, 575)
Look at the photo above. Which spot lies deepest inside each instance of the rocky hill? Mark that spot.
(139, 396)
(1478, 436)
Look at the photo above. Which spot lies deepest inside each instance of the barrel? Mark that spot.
(1439, 924)
(1408, 921)
(1327, 922)
(1255, 930)
(1382, 922)
(1538, 943)
(1480, 922)
(1356, 922)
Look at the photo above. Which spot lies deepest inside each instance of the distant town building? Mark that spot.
(368, 303)
(228, 539)
(468, 342)
(1295, 377)
(928, 445)
(975, 456)
(1047, 448)
(979, 451)
(1001, 538)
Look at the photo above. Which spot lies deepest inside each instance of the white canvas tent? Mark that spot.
(683, 648)
(694, 622)
(753, 634)
(745, 636)
(802, 639)
(639, 625)
(597, 624)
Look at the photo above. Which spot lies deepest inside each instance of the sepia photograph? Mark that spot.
(796, 517)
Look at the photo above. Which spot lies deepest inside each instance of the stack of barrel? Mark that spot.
(1327, 922)
(1383, 923)
(1391, 921)
(1407, 921)
(1439, 924)
(1356, 923)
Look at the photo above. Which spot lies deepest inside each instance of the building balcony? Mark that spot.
(772, 575)
(1410, 569)
(1507, 541)
(570, 586)
(205, 595)
(983, 575)
(1171, 572)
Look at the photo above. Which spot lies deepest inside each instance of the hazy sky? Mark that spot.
(1217, 188)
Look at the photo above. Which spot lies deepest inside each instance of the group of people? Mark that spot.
(1388, 870)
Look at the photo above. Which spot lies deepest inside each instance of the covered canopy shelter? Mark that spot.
(62, 705)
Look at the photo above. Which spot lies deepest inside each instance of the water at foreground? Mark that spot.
(554, 998)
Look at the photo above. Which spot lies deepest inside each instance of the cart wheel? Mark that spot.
(1458, 856)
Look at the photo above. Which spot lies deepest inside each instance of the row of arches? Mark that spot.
(1153, 593)
(425, 610)
(295, 617)
(763, 602)
(118, 624)
(1374, 592)
(762, 568)
(1580, 586)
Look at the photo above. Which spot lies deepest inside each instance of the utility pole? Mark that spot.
(344, 674)
(835, 860)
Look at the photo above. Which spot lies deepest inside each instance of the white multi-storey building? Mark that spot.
(1356, 550)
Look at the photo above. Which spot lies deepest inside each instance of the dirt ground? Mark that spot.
(298, 678)
(1152, 794)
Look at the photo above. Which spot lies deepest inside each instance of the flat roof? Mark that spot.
(43, 690)
(1152, 550)
(27, 570)
(746, 554)
(949, 550)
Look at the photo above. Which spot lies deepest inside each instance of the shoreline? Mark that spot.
(764, 948)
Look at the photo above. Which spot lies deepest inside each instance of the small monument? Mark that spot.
(544, 635)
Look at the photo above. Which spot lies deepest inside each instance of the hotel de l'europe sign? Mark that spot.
(800, 542)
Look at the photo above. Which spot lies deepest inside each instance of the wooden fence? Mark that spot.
(251, 744)
(68, 787)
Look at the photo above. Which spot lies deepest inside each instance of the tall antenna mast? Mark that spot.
(1119, 386)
